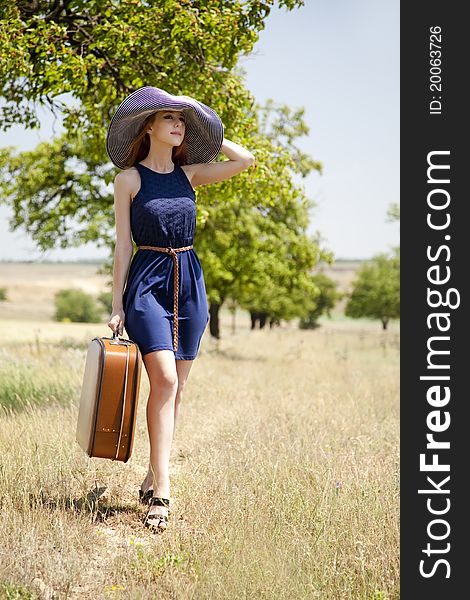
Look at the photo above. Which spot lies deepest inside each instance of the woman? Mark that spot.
(164, 144)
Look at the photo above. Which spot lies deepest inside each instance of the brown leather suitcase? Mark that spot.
(109, 398)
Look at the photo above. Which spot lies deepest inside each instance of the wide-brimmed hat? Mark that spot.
(204, 129)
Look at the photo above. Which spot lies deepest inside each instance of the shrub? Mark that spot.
(76, 306)
(106, 299)
(3, 294)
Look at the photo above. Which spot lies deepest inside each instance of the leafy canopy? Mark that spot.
(376, 290)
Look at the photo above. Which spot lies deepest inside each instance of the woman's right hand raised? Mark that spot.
(116, 321)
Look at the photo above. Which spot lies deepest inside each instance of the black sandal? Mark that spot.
(144, 497)
(156, 501)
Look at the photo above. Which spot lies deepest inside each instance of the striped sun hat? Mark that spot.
(204, 129)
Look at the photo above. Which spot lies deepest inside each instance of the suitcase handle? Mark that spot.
(124, 395)
(117, 340)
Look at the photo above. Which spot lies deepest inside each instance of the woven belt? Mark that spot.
(173, 252)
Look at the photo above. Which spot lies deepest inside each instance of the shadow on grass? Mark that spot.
(92, 503)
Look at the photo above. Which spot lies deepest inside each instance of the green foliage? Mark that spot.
(278, 282)
(106, 299)
(76, 306)
(393, 212)
(3, 293)
(10, 591)
(56, 196)
(101, 50)
(323, 303)
(376, 290)
(254, 244)
(282, 126)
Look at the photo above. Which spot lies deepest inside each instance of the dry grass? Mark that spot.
(284, 474)
(31, 286)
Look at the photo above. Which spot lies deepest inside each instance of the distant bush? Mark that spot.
(3, 294)
(76, 306)
(106, 299)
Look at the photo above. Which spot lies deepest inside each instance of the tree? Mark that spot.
(101, 50)
(254, 242)
(257, 260)
(376, 290)
(98, 51)
(285, 288)
(323, 303)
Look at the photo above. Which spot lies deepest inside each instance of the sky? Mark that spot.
(339, 59)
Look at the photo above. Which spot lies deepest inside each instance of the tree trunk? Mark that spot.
(384, 323)
(214, 320)
(253, 317)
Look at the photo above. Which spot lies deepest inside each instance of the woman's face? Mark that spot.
(169, 126)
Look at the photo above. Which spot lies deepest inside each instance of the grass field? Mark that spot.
(284, 470)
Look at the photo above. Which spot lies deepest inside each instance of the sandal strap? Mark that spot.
(159, 517)
(157, 501)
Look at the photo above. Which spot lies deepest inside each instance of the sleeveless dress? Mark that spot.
(163, 213)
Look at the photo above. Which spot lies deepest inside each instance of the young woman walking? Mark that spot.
(164, 145)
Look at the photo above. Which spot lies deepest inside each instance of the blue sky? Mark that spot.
(340, 60)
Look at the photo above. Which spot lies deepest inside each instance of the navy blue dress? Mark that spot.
(163, 213)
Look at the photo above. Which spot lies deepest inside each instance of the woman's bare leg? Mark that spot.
(182, 368)
(163, 377)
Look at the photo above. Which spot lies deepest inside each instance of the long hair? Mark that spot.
(141, 145)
